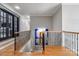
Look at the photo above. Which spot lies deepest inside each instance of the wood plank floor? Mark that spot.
(49, 51)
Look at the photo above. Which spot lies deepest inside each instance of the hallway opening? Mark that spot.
(39, 29)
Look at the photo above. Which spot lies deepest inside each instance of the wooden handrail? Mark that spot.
(55, 31)
(64, 32)
(70, 32)
(16, 33)
(19, 32)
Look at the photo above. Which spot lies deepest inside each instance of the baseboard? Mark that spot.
(6, 45)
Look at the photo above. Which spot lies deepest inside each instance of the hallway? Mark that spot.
(25, 30)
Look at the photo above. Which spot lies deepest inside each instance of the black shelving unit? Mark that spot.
(9, 24)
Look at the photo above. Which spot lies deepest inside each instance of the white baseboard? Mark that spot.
(6, 43)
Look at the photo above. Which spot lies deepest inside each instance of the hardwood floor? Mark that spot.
(49, 51)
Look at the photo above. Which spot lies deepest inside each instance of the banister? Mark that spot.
(70, 32)
(20, 32)
(54, 32)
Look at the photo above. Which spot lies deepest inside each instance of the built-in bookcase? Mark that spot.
(9, 24)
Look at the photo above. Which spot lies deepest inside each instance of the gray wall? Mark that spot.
(40, 21)
(57, 20)
(22, 39)
(24, 23)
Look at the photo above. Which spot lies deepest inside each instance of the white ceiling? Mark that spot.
(35, 9)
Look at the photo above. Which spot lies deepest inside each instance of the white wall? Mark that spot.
(70, 22)
(70, 16)
(57, 20)
(56, 26)
(40, 21)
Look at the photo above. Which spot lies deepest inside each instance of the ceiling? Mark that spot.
(35, 9)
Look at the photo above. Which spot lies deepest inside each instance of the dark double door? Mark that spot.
(9, 24)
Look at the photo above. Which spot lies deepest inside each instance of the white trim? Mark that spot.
(6, 41)
(3, 47)
(63, 40)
